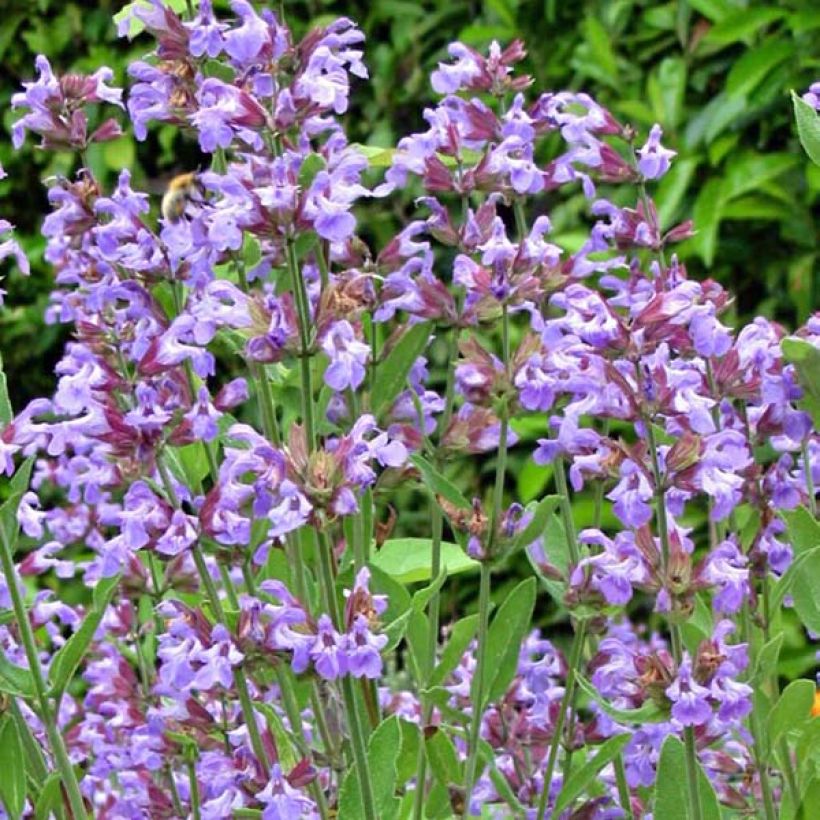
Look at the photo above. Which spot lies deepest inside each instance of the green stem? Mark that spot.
(434, 605)
(574, 661)
(691, 756)
(55, 738)
(809, 478)
(623, 787)
(477, 693)
(193, 788)
(354, 717)
(303, 309)
(240, 681)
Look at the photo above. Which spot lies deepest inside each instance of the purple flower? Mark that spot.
(245, 43)
(727, 569)
(690, 705)
(348, 357)
(725, 455)
(363, 647)
(654, 159)
(632, 495)
(329, 652)
(282, 801)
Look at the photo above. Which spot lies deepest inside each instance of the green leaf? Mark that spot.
(755, 65)
(806, 358)
(581, 778)
(391, 373)
(15, 680)
(438, 484)
(50, 797)
(8, 511)
(672, 188)
(666, 88)
(442, 757)
(808, 127)
(382, 751)
(407, 761)
(408, 560)
(766, 664)
(286, 748)
(648, 713)
(749, 170)
(707, 214)
(792, 710)
(535, 529)
(698, 626)
(6, 412)
(741, 25)
(803, 529)
(68, 657)
(486, 755)
(376, 155)
(310, 167)
(510, 624)
(600, 45)
(671, 792)
(460, 636)
(806, 591)
(12, 766)
(251, 251)
(799, 566)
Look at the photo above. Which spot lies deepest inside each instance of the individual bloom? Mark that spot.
(226, 112)
(181, 533)
(333, 220)
(10, 247)
(43, 559)
(328, 652)
(217, 662)
(203, 417)
(323, 81)
(348, 357)
(690, 704)
(734, 699)
(360, 601)
(449, 78)
(778, 554)
(363, 648)
(206, 32)
(727, 569)
(245, 43)
(613, 571)
(653, 158)
(632, 495)
(812, 96)
(725, 455)
(289, 510)
(282, 801)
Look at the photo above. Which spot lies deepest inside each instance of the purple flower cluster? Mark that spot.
(236, 669)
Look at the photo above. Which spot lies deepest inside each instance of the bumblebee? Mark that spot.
(182, 190)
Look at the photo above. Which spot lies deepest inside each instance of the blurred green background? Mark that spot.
(715, 74)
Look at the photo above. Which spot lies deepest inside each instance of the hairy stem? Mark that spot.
(477, 692)
(355, 719)
(55, 738)
(566, 701)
